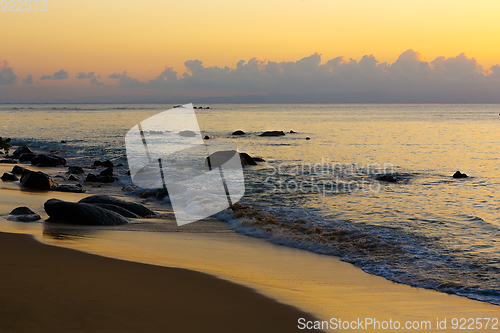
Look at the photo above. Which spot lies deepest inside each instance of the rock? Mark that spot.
(130, 206)
(218, 158)
(8, 161)
(73, 178)
(258, 159)
(308, 138)
(117, 209)
(75, 170)
(9, 177)
(91, 178)
(206, 137)
(37, 180)
(106, 172)
(272, 133)
(107, 164)
(21, 211)
(207, 108)
(458, 174)
(238, 132)
(69, 188)
(21, 150)
(27, 157)
(388, 178)
(292, 131)
(81, 213)
(187, 134)
(17, 170)
(63, 141)
(248, 160)
(43, 160)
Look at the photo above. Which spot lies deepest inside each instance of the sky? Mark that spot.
(152, 50)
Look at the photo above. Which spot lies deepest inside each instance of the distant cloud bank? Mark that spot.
(410, 78)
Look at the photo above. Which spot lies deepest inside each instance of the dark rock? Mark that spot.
(207, 108)
(43, 160)
(292, 131)
(27, 157)
(161, 194)
(106, 172)
(272, 133)
(37, 180)
(91, 178)
(21, 150)
(81, 213)
(206, 137)
(119, 165)
(75, 170)
(130, 206)
(9, 177)
(22, 211)
(117, 209)
(388, 178)
(73, 178)
(62, 141)
(218, 158)
(458, 174)
(8, 161)
(69, 188)
(17, 170)
(187, 134)
(107, 164)
(238, 132)
(24, 218)
(308, 138)
(248, 160)
(258, 159)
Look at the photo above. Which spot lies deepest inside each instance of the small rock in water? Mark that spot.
(272, 133)
(9, 177)
(308, 138)
(187, 134)
(106, 164)
(91, 178)
(23, 214)
(388, 178)
(69, 188)
(27, 157)
(258, 159)
(62, 141)
(75, 170)
(21, 150)
(458, 174)
(73, 178)
(292, 131)
(17, 170)
(130, 206)
(106, 172)
(37, 180)
(238, 132)
(43, 161)
(206, 137)
(8, 161)
(81, 213)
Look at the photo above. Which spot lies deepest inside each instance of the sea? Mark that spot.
(319, 185)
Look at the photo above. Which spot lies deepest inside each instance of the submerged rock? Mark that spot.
(81, 213)
(187, 133)
(43, 160)
(388, 178)
(238, 132)
(37, 180)
(130, 206)
(73, 178)
(308, 138)
(272, 133)
(23, 214)
(69, 188)
(8, 161)
(75, 170)
(9, 177)
(107, 164)
(22, 150)
(458, 174)
(91, 178)
(218, 158)
(27, 157)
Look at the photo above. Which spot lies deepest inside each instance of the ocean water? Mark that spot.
(428, 229)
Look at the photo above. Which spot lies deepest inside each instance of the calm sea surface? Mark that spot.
(428, 229)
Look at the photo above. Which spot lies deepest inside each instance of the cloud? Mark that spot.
(62, 74)
(90, 75)
(126, 81)
(7, 75)
(28, 79)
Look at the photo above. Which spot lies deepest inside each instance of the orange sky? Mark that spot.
(142, 37)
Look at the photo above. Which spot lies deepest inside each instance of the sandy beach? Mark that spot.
(121, 295)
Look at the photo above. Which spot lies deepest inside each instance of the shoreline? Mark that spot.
(317, 284)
